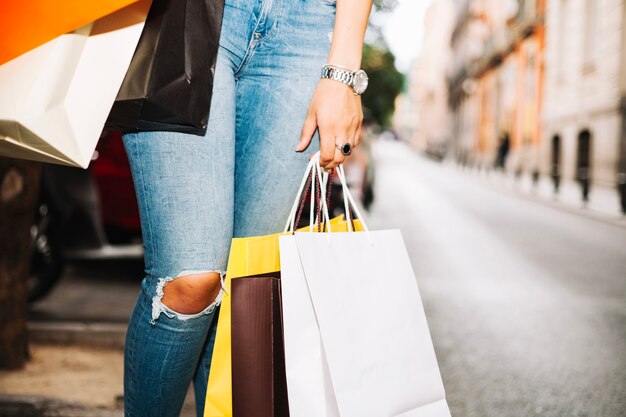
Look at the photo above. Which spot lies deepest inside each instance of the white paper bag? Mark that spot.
(310, 391)
(359, 290)
(55, 99)
(309, 387)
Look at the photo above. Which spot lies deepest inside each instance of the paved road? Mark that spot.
(527, 304)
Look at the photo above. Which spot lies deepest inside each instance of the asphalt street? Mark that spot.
(526, 303)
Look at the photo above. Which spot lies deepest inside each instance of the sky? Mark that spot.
(404, 30)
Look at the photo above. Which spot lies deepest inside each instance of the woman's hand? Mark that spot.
(336, 112)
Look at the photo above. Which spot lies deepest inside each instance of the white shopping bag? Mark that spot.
(55, 99)
(360, 291)
(310, 391)
(309, 387)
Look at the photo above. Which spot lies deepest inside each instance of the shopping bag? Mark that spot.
(356, 296)
(308, 378)
(54, 99)
(248, 256)
(169, 82)
(258, 360)
(28, 24)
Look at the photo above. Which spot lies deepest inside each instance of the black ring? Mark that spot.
(346, 149)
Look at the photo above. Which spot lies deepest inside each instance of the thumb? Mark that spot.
(310, 124)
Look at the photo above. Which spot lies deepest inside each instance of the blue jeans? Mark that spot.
(196, 193)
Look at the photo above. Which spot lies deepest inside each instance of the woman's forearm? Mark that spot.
(335, 111)
(350, 24)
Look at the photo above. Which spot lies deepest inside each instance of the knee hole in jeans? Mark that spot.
(189, 294)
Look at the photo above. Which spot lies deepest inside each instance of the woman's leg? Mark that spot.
(184, 186)
(283, 44)
(274, 91)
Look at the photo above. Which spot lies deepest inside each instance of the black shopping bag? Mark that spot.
(169, 82)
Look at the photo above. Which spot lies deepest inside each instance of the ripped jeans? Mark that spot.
(196, 193)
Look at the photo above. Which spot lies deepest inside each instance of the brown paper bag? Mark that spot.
(258, 358)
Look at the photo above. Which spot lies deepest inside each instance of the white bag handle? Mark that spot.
(313, 169)
(294, 208)
(348, 201)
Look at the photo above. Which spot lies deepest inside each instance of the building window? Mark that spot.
(555, 169)
(583, 160)
(590, 40)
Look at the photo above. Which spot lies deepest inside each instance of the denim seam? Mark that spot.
(145, 192)
(131, 355)
(249, 49)
(246, 58)
(279, 16)
(253, 43)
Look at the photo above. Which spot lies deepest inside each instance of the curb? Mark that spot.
(108, 335)
(36, 406)
(616, 220)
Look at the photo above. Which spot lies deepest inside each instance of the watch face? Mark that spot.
(360, 81)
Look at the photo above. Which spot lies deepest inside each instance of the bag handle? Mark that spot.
(349, 202)
(313, 178)
(313, 173)
(289, 226)
(310, 185)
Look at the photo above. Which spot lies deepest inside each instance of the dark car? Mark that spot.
(84, 214)
(91, 214)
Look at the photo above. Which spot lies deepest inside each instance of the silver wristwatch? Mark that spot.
(357, 80)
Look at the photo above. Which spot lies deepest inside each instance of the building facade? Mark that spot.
(428, 86)
(539, 87)
(496, 83)
(582, 118)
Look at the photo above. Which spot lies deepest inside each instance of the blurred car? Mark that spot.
(84, 214)
(91, 214)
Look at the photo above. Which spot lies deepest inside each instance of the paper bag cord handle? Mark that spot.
(301, 208)
(349, 201)
(289, 226)
(309, 180)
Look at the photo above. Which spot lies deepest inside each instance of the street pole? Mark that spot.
(621, 171)
(621, 165)
(19, 192)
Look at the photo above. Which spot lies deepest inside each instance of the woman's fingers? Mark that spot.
(357, 130)
(310, 124)
(333, 138)
(328, 149)
(337, 114)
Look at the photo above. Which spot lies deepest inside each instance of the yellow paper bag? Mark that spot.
(248, 256)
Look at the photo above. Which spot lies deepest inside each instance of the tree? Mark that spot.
(385, 5)
(385, 82)
(19, 191)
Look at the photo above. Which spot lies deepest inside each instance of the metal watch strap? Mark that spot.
(337, 74)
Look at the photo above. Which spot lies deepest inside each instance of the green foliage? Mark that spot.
(385, 5)
(385, 82)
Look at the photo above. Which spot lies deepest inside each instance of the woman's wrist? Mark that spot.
(351, 19)
(345, 61)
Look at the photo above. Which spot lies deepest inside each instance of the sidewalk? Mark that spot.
(61, 380)
(77, 380)
(603, 204)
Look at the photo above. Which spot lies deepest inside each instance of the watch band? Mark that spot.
(356, 80)
(338, 74)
